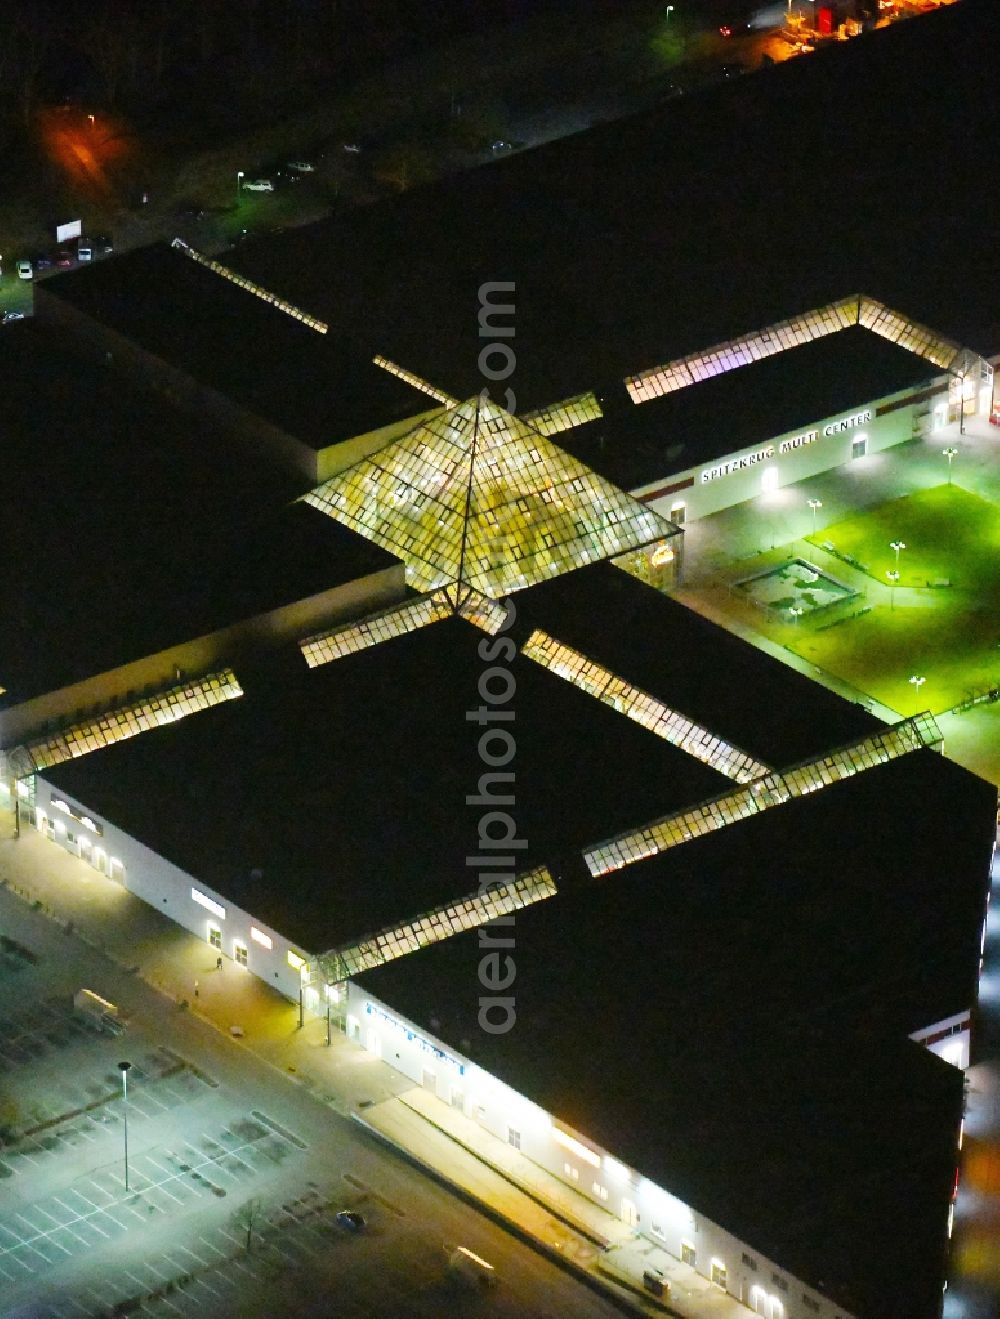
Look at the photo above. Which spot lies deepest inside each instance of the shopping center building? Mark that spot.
(748, 915)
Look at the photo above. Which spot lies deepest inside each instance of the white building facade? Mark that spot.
(227, 929)
(828, 443)
(735, 1266)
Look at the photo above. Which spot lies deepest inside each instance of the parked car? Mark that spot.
(41, 261)
(471, 1269)
(84, 254)
(259, 185)
(9, 316)
(24, 270)
(354, 148)
(102, 245)
(302, 166)
(65, 260)
(351, 1221)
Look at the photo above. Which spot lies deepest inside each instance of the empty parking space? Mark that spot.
(82, 1113)
(97, 1209)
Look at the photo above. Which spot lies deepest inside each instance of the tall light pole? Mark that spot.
(949, 453)
(239, 185)
(124, 1068)
(897, 545)
(815, 504)
(893, 579)
(918, 682)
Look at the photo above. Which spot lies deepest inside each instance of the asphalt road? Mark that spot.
(211, 1128)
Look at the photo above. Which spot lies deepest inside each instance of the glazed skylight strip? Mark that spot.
(352, 637)
(564, 416)
(249, 286)
(486, 614)
(733, 353)
(128, 721)
(441, 923)
(771, 790)
(918, 339)
(865, 311)
(394, 369)
(639, 706)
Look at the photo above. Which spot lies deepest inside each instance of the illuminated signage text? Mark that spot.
(848, 423)
(738, 464)
(797, 441)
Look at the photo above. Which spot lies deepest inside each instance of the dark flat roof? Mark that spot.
(714, 214)
(694, 666)
(321, 388)
(324, 780)
(130, 527)
(730, 1018)
(634, 445)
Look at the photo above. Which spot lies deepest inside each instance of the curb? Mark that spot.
(602, 1286)
(601, 1242)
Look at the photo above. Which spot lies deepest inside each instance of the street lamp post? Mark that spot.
(815, 504)
(893, 579)
(124, 1068)
(949, 453)
(897, 545)
(918, 682)
(239, 185)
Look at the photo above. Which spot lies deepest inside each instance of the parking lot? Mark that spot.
(211, 1130)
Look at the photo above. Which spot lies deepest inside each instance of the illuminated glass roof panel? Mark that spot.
(908, 334)
(763, 793)
(418, 382)
(352, 637)
(127, 721)
(639, 706)
(249, 286)
(659, 380)
(868, 312)
(476, 495)
(441, 923)
(564, 416)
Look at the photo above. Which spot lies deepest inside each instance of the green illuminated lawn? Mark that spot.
(948, 533)
(948, 635)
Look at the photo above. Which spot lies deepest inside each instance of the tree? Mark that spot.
(29, 40)
(10, 1119)
(246, 1218)
(113, 40)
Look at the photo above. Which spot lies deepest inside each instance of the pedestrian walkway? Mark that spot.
(555, 1218)
(539, 1204)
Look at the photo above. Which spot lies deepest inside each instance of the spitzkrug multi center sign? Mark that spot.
(785, 446)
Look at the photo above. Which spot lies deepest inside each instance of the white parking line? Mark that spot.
(203, 1282)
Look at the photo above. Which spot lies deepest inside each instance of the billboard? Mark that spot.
(72, 229)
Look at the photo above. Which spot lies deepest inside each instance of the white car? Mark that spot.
(302, 166)
(24, 270)
(259, 185)
(9, 316)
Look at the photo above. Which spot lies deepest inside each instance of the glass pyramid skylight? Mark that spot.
(477, 496)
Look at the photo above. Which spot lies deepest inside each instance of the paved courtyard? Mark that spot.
(945, 638)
